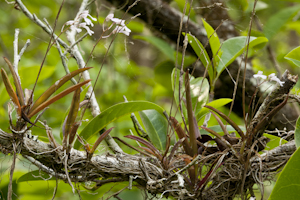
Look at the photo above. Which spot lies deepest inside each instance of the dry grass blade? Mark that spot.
(99, 140)
(55, 98)
(234, 125)
(55, 87)
(10, 91)
(147, 144)
(144, 153)
(16, 82)
(72, 113)
(220, 123)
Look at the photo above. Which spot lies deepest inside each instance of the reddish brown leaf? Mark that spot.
(55, 98)
(234, 125)
(144, 153)
(10, 91)
(72, 113)
(147, 144)
(16, 82)
(99, 140)
(55, 87)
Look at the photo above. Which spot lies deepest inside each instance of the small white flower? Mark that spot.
(84, 25)
(260, 75)
(272, 77)
(75, 25)
(121, 27)
(252, 198)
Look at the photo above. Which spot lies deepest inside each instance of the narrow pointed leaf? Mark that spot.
(73, 132)
(32, 112)
(113, 113)
(147, 144)
(72, 113)
(148, 150)
(234, 125)
(142, 152)
(10, 91)
(220, 123)
(55, 87)
(202, 54)
(99, 140)
(156, 127)
(214, 42)
(16, 82)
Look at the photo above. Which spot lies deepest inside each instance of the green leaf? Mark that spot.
(234, 47)
(288, 183)
(202, 54)
(163, 46)
(216, 104)
(214, 42)
(36, 175)
(275, 141)
(297, 133)
(111, 114)
(156, 127)
(199, 91)
(278, 20)
(294, 56)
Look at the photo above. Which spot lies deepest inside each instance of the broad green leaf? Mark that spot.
(202, 54)
(113, 113)
(234, 47)
(218, 129)
(163, 46)
(199, 91)
(294, 56)
(288, 183)
(156, 127)
(278, 20)
(214, 42)
(36, 175)
(297, 133)
(216, 104)
(275, 141)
